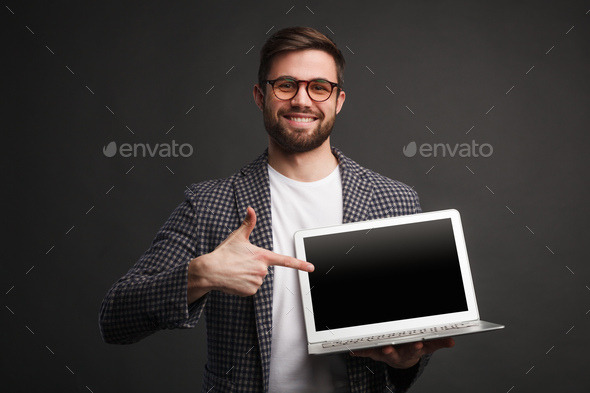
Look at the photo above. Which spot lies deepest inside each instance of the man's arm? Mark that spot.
(402, 380)
(167, 288)
(152, 294)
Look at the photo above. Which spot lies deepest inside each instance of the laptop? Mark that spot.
(386, 282)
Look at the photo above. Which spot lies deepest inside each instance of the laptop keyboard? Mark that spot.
(407, 333)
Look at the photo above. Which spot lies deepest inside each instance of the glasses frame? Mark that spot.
(298, 82)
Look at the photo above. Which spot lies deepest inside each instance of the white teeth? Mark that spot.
(301, 119)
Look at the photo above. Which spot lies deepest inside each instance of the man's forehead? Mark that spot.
(304, 65)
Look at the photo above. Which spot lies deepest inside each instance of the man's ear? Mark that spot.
(258, 96)
(340, 101)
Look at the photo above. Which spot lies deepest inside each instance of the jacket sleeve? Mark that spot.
(418, 208)
(152, 295)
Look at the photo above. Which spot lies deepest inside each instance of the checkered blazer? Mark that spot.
(153, 294)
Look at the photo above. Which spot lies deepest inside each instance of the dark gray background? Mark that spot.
(75, 220)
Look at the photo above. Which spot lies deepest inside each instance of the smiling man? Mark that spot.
(246, 284)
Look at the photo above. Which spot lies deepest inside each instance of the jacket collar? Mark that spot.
(255, 189)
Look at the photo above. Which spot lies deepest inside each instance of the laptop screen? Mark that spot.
(384, 274)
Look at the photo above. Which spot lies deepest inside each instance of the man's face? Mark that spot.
(300, 124)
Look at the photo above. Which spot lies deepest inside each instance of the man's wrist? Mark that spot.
(197, 283)
(407, 369)
(405, 366)
(402, 378)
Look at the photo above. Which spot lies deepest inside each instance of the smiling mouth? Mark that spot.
(300, 119)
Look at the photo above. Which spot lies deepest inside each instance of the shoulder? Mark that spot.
(385, 184)
(217, 190)
(376, 179)
(385, 191)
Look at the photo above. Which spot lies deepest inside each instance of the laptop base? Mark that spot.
(425, 334)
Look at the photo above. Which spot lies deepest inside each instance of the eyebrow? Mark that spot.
(313, 79)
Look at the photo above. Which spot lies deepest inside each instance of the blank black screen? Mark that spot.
(385, 274)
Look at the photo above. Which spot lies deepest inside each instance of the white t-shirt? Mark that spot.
(298, 205)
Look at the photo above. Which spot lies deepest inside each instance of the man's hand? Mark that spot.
(236, 266)
(405, 355)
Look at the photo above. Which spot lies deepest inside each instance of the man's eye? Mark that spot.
(319, 87)
(286, 85)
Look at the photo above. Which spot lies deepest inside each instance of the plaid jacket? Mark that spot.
(153, 294)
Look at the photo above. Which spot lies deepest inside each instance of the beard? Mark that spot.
(297, 140)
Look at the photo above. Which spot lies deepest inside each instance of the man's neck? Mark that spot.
(305, 167)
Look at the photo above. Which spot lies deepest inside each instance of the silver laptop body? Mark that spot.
(387, 282)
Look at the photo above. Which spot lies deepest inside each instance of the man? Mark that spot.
(246, 283)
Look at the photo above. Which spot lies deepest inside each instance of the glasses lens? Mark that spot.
(319, 90)
(285, 89)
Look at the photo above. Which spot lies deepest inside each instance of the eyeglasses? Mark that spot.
(318, 90)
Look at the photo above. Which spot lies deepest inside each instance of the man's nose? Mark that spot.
(301, 99)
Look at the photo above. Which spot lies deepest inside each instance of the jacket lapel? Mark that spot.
(356, 191)
(252, 189)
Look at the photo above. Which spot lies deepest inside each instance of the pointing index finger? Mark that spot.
(287, 261)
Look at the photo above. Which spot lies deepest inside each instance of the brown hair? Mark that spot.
(294, 39)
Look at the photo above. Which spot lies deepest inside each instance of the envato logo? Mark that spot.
(145, 149)
(441, 149)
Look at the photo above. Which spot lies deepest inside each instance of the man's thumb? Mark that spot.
(249, 222)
